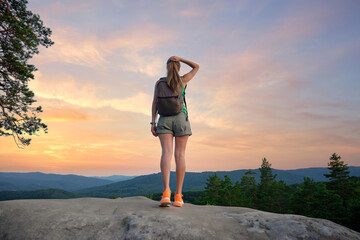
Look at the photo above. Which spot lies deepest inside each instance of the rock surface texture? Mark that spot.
(142, 218)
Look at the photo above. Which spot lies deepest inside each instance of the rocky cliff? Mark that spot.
(142, 218)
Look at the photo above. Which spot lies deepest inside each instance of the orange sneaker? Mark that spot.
(165, 198)
(178, 202)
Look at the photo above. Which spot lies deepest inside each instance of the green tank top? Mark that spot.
(184, 107)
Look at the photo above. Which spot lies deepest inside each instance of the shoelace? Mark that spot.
(180, 196)
(164, 196)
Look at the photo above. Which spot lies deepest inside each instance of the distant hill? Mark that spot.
(38, 180)
(37, 194)
(318, 173)
(116, 178)
(144, 184)
(152, 183)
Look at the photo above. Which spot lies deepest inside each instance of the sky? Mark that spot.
(278, 79)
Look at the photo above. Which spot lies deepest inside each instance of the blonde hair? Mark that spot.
(173, 77)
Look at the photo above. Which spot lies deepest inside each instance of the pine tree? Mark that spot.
(266, 176)
(248, 180)
(354, 208)
(238, 195)
(265, 194)
(226, 196)
(211, 195)
(248, 189)
(339, 178)
(280, 195)
(303, 197)
(21, 32)
(328, 205)
(338, 169)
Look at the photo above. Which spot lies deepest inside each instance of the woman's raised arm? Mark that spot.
(188, 76)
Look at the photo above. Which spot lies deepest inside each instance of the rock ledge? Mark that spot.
(142, 218)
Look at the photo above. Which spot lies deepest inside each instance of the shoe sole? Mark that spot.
(176, 204)
(165, 204)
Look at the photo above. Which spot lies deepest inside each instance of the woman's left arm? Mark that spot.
(154, 108)
(154, 111)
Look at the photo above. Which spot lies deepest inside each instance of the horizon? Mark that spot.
(277, 79)
(136, 175)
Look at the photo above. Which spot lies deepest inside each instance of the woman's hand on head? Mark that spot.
(174, 58)
(153, 130)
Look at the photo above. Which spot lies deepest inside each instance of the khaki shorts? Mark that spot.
(177, 125)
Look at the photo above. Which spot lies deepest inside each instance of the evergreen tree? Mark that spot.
(303, 197)
(338, 169)
(21, 32)
(266, 176)
(238, 195)
(226, 195)
(265, 194)
(339, 178)
(354, 208)
(248, 180)
(211, 195)
(248, 189)
(328, 205)
(280, 194)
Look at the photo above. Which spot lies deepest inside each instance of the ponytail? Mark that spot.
(173, 77)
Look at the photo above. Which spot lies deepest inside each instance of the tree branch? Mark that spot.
(7, 6)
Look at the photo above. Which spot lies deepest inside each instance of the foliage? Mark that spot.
(211, 196)
(226, 192)
(247, 190)
(338, 169)
(339, 178)
(265, 192)
(337, 200)
(51, 193)
(266, 176)
(303, 197)
(21, 33)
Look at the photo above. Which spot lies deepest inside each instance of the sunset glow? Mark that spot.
(277, 79)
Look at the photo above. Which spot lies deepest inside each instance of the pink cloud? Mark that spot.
(128, 49)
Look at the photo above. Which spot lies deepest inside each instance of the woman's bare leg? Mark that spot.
(180, 146)
(166, 140)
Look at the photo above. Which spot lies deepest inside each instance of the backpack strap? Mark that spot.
(184, 93)
(187, 116)
(184, 96)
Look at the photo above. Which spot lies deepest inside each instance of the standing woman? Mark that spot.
(177, 126)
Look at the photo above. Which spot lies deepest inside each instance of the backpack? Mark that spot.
(168, 102)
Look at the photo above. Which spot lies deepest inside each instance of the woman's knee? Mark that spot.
(166, 153)
(179, 156)
(166, 157)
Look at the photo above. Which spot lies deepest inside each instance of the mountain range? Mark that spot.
(116, 178)
(37, 180)
(143, 184)
(193, 181)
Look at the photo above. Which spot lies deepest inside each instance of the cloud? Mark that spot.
(52, 8)
(64, 114)
(85, 95)
(136, 37)
(53, 154)
(190, 12)
(73, 47)
(142, 63)
(118, 3)
(128, 49)
(263, 77)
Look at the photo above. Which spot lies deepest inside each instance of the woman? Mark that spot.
(177, 126)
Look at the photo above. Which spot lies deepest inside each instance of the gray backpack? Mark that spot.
(168, 102)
